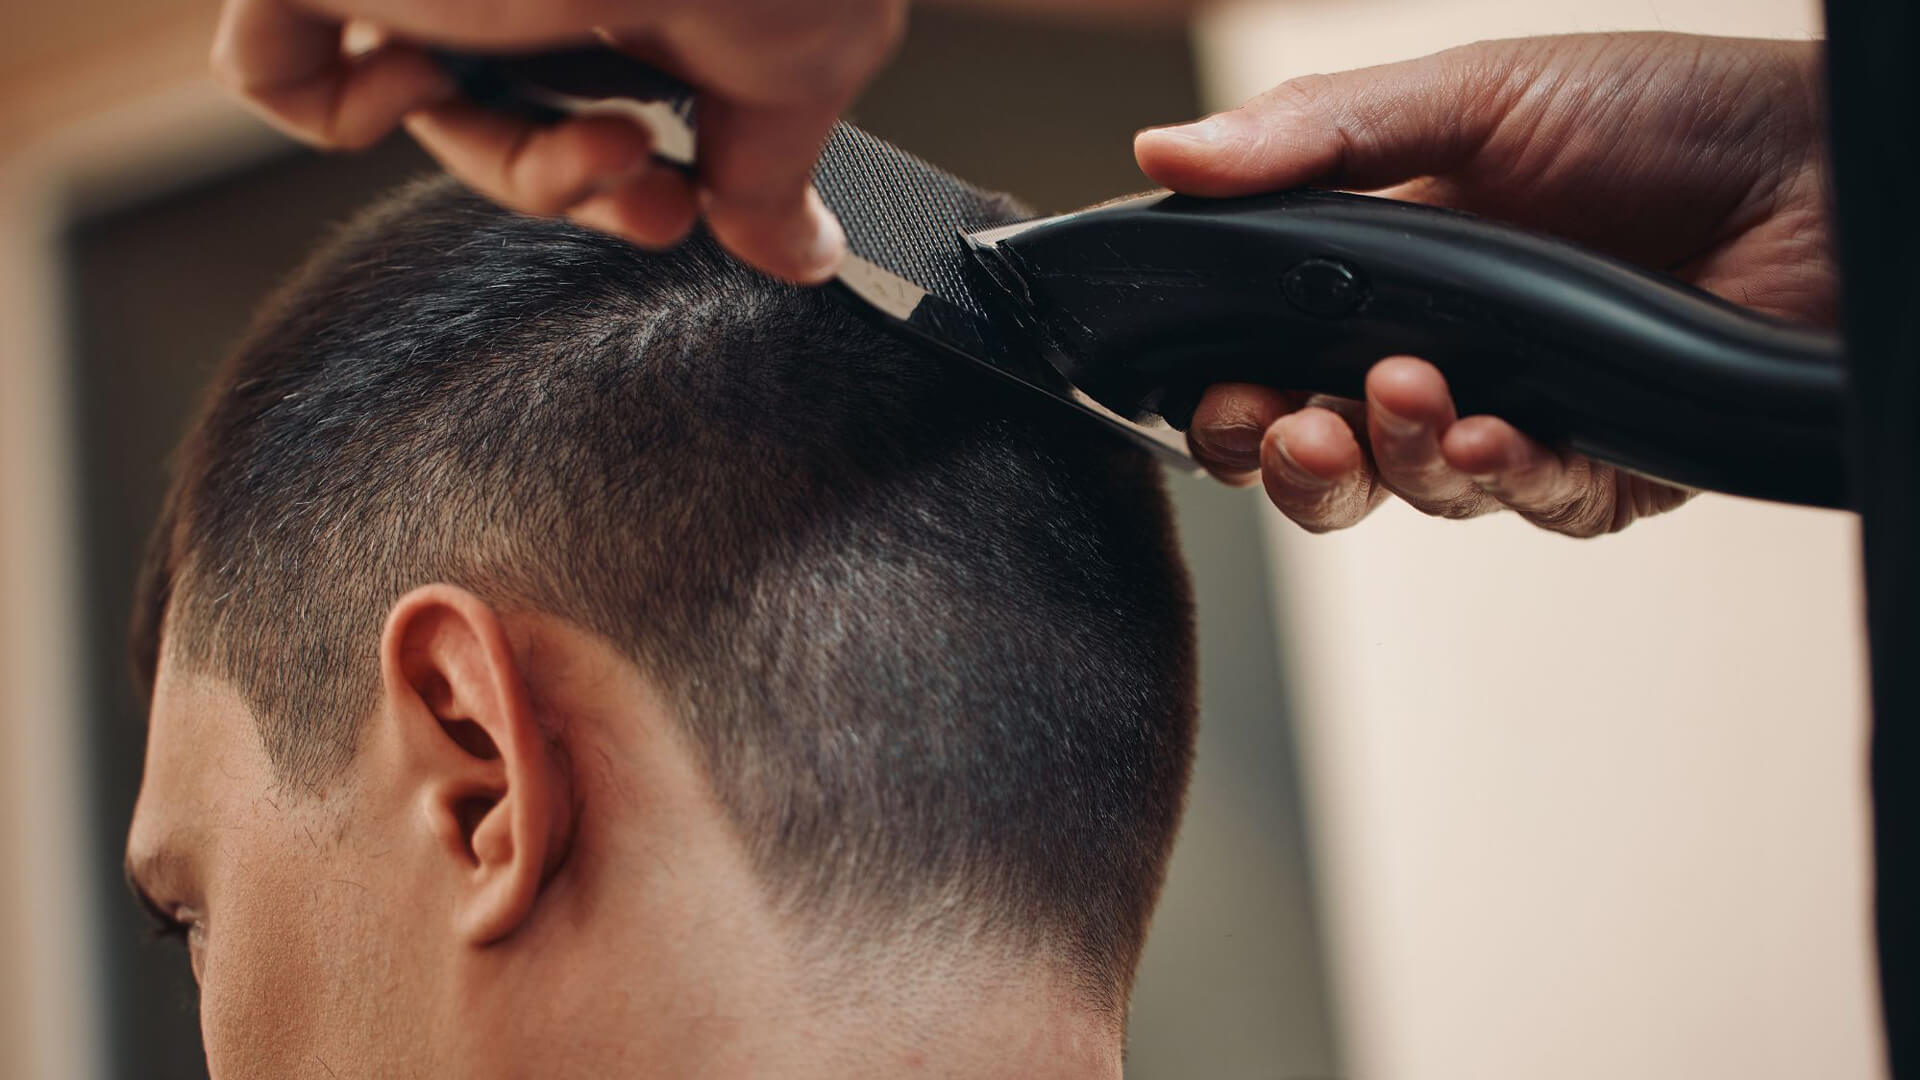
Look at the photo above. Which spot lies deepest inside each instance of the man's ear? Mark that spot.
(466, 740)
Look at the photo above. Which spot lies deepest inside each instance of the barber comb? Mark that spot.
(1126, 312)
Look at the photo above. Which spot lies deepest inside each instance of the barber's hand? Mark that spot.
(1700, 156)
(773, 76)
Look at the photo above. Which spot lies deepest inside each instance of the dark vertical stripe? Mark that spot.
(1874, 83)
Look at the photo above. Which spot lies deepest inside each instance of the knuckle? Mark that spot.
(1455, 505)
(1316, 514)
(1316, 527)
(1425, 481)
(1592, 506)
(1588, 514)
(1638, 497)
(1302, 90)
(1329, 514)
(1458, 508)
(1223, 467)
(1317, 511)
(1417, 478)
(1300, 95)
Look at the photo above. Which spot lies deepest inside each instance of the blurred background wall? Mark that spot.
(86, 88)
(1557, 808)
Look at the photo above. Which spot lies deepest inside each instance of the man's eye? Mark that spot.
(165, 927)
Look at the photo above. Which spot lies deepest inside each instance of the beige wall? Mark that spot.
(85, 91)
(1583, 810)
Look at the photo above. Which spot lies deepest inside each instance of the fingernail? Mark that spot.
(1395, 425)
(1233, 446)
(1206, 131)
(827, 245)
(1293, 472)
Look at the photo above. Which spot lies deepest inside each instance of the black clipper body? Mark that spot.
(1144, 303)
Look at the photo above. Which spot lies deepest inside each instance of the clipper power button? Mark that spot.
(1328, 288)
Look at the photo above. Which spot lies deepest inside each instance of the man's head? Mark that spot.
(536, 622)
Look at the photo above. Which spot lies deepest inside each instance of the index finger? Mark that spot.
(287, 64)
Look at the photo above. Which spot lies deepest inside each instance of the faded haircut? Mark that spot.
(930, 637)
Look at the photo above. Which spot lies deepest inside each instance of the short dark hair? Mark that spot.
(931, 637)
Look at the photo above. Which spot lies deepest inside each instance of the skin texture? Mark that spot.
(1698, 156)
(524, 873)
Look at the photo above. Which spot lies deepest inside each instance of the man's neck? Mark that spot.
(912, 1014)
(704, 1002)
(655, 952)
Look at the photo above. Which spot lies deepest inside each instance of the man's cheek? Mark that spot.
(248, 1030)
(285, 991)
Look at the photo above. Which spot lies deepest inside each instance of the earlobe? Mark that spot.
(491, 786)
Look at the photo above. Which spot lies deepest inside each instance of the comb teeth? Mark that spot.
(905, 216)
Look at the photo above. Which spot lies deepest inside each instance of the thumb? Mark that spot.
(1362, 129)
